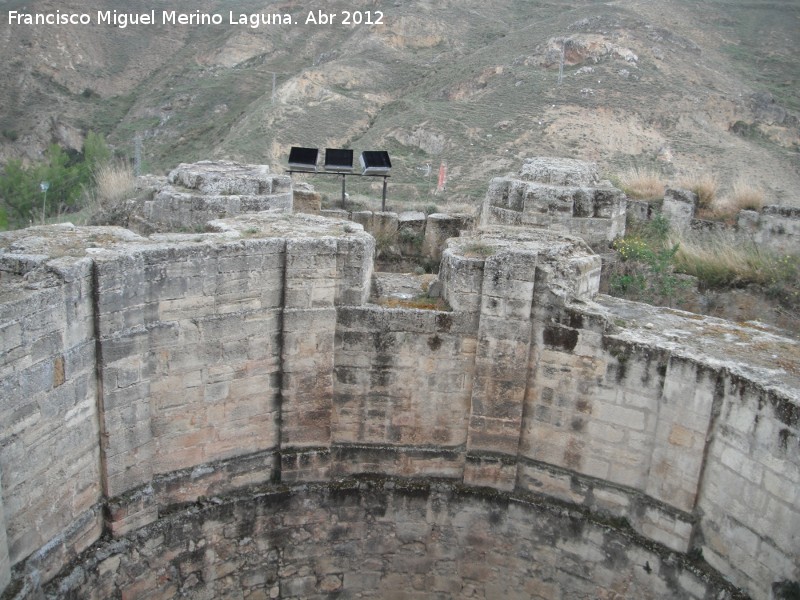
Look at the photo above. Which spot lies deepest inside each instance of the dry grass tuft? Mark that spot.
(746, 196)
(743, 196)
(723, 259)
(642, 184)
(717, 259)
(705, 185)
(114, 181)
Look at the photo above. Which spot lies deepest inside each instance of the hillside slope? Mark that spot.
(677, 85)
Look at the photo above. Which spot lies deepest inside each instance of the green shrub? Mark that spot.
(68, 175)
(646, 270)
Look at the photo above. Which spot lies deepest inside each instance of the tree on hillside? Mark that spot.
(22, 200)
(17, 192)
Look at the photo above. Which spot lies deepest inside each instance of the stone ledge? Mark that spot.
(360, 519)
(647, 516)
(147, 503)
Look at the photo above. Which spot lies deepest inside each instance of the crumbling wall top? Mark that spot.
(753, 351)
(560, 171)
(225, 177)
(277, 223)
(562, 264)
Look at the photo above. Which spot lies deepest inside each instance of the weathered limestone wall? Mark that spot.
(217, 348)
(679, 208)
(5, 560)
(322, 274)
(631, 422)
(49, 452)
(733, 435)
(146, 373)
(189, 360)
(410, 235)
(776, 227)
(561, 195)
(402, 391)
(149, 373)
(194, 194)
(381, 538)
(626, 422)
(751, 492)
(559, 393)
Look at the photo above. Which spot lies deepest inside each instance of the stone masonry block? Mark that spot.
(491, 473)
(545, 199)
(438, 228)
(679, 207)
(505, 194)
(559, 171)
(627, 418)
(5, 561)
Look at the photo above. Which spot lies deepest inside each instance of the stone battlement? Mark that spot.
(144, 378)
(563, 195)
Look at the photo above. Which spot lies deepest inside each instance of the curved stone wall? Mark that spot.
(141, 375)
(378, 538)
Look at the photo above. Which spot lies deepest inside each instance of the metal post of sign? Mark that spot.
(343, 190)
(44, 186)
(383, 199)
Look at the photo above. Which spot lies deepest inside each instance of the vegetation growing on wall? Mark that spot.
(654, 261)
(641, 183)
(646, 271)
(719, 260)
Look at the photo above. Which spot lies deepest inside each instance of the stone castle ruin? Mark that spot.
(230, 414)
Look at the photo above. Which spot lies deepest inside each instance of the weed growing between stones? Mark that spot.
(746, 196)
(705, 185)
(654, 263)
(385, 242)
(646, 271)
(478, 250)
(114, 182)
(743, 195)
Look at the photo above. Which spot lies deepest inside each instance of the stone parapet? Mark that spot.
(175, 210)
(775, 227)
(679, 208)
(225, 178)
(560, 171)
(193, 194)
(561, 195)
(411, 235)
